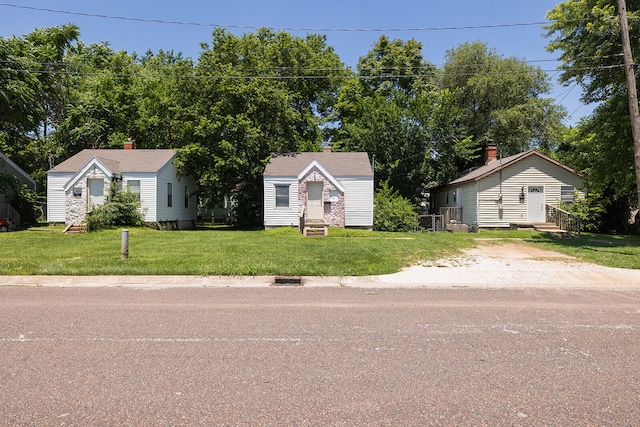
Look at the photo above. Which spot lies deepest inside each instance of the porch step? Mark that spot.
(318, 229)
(552, 229)
(76, 228)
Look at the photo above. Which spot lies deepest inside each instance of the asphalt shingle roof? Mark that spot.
(336, 163)
(118, 161)
(495, 165)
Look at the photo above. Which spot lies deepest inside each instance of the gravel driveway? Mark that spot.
(511, 265)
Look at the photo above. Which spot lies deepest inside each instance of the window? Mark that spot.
(282, 196)
(169, 194)
(134, 187)
(186, 196)
(567, 194)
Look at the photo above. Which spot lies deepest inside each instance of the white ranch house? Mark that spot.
(81, 182)
(319, 189)
(505, 192)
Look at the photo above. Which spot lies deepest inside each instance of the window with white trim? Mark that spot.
(567, 194)
(282, 196)
(134, 187)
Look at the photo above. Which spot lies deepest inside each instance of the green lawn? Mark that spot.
(272, 252)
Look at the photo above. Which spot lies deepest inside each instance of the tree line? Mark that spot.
(247, 96)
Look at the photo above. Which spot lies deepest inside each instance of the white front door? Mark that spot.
(96, 193)
(535, 204)
(315, 208)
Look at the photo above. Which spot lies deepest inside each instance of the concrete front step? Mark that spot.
(553, 230)
(315, 229)
(75, 228)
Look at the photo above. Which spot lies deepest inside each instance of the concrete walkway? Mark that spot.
(487, 273)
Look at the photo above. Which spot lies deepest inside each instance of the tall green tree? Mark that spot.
(251, 96)
(34, 84)
(393, 110)
(503, 99)
(587, 35)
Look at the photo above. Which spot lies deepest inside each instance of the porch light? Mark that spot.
(522, 194)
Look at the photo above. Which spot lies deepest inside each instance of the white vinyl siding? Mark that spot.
(281, 216)
(469, 203)
(529, 171)
(358, 201)
(147, 189)
(168, 174)
(56, 197)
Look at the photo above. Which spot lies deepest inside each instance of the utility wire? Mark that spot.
(270, 77)
(250, 27)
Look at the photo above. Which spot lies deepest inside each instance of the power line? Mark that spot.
(429, 68)
(250, 27)
(283, 77)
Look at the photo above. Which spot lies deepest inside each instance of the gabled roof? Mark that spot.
(95, 163)
(315, 163)
(499, 164)
(119, 161)
(336, 163)
(6, 163)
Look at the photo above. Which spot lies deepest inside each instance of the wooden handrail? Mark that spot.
(563, 219)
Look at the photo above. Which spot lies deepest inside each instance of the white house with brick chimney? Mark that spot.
(506, 191)
(77, 185)
(315, 190)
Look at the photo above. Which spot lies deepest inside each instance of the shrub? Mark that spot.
(120, 208)
(391, 211)
(590, 210)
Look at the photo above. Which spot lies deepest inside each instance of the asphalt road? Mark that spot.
(318, 356)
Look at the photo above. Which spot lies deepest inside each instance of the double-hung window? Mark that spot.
(134, 187)
(282, 196)
(567, 194)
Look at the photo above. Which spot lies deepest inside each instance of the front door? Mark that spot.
(315, 208)
(535, 204)
(96, 193)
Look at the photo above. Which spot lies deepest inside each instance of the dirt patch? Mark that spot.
(513, 250)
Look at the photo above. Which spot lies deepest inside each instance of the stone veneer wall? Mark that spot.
(333, 211)
(76, 206)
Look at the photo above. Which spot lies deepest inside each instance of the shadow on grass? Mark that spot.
(608, 250)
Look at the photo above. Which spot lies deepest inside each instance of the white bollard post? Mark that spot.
(124, 250)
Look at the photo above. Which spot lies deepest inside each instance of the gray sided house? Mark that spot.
(81, 182)
(9, 167)
(318, 190)
(512, 190)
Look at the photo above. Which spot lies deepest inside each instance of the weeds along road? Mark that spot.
(318, 356)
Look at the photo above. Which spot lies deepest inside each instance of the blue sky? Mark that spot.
(524, 42)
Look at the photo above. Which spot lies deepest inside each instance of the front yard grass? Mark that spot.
(270, 252)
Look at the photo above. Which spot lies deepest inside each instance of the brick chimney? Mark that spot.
(326, 148)
(128, 144)
(491, 153)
